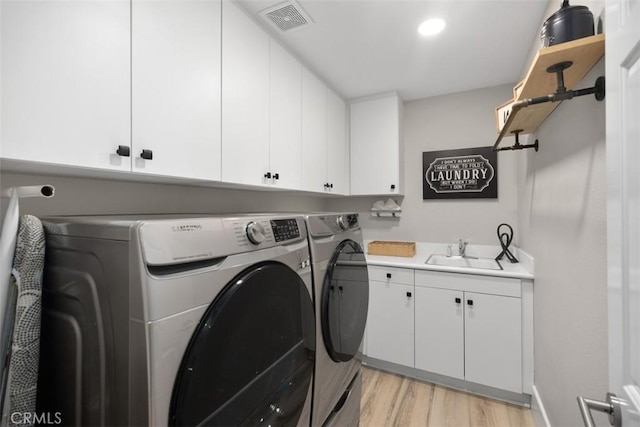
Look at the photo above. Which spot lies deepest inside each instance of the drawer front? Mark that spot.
(391, 274)
(469, 283)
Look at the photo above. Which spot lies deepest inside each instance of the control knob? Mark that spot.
(255, 233)
(342, 223)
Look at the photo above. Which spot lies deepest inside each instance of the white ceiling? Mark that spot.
(364, 47)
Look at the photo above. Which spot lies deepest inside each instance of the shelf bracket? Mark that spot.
(517, 145)
(561, 94)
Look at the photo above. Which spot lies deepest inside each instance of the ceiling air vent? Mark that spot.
(286, 16)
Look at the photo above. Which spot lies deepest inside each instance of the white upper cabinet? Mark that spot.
(375, 146)
(245, 99)
(337, 145)
(325, 147)
(176, 87)
(285, 117)
(66, 82)
(314, 133)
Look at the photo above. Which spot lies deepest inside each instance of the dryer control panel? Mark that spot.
(285, 229)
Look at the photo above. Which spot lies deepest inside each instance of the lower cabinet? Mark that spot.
(390, 333)
(466, 327)
(439, 332)
(493, 341)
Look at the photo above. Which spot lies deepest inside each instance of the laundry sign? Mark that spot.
(460, 174)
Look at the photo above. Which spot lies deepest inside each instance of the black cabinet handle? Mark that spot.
(388, 275)
(393, 186)
(276, 176)
(458, 301)
(147, 154)
(408, 294)
(267, 175)
(123, 151)
(470, 302)
(330, 185)
(340, 288)
(326, 185)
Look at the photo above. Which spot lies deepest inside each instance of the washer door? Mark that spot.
(345, 300)
(250, 360)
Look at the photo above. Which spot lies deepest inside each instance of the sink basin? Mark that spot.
(467, 262)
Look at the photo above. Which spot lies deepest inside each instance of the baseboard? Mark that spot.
(537, 409)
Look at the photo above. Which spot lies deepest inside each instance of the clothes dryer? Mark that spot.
(341, 297)
(180, 321)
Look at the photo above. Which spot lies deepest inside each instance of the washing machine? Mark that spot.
(341, 298)
(179, 321)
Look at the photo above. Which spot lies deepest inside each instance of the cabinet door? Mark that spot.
(375, 150)
(390, 322)
(285, 115)
(440, 331)
(176, 87)
(493, 343)
(314, 133)
(66, 82)
(245, 98)
(337, 144)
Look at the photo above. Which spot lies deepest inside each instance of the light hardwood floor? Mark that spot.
(393, 400)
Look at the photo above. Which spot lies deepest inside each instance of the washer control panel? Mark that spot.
(285, 229)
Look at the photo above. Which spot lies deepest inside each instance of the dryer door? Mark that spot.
(345, 300)
(250, 360)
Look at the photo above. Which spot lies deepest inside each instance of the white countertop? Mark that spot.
(520, 270)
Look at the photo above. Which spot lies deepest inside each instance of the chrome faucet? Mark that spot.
(462, 247)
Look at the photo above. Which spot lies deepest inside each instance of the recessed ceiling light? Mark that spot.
(431, 27)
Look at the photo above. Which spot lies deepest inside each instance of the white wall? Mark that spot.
(562, 223)
(76, 196)
(460, 120)
(562, 220)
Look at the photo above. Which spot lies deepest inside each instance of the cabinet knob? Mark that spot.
(276, 176)
(470, 302)
(123, 150)
(147, 154)
(388, 275)
(393, 186)
(340, 288)
(458, 300)
(408, 294)
(267, 175)
(330, 185)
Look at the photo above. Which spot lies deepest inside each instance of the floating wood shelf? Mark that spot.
(584, 53)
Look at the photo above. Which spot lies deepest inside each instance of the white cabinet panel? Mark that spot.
(245, 98)
(439, 328)
(375, 146)
(285, 111)
(176, 87)
(469, 282)
(314, 133)
(493, 341)
(390, 322)
(337, 145)
(390, 274)
(66, 82)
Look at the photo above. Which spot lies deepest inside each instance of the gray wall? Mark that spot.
(562, 224)
(460, 120)
(76, 196)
